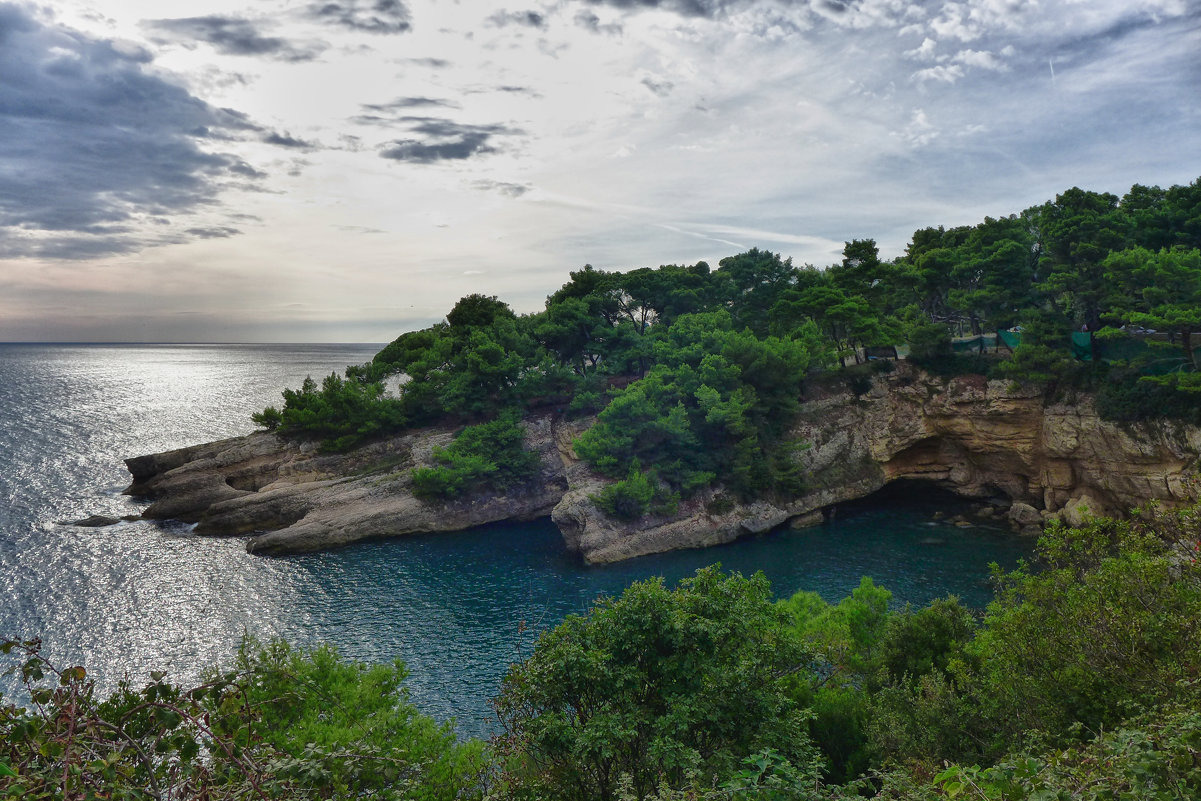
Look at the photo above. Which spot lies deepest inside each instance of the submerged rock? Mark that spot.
(988, 440)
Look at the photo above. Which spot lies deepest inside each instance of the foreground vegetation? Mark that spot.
(1081, 680)
(695, 372)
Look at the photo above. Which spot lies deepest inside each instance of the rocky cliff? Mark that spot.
(978, 438)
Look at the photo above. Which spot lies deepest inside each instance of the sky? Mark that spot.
(345, 170)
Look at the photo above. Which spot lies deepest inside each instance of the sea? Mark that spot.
(458, 608)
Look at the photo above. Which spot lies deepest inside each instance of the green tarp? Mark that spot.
(1082, 347)
(1126, 348)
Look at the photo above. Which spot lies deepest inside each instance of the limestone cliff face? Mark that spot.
(294, 498)
(978, 438)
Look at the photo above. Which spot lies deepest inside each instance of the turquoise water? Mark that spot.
(139, 596)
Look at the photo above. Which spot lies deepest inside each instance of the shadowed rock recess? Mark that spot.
(978, 438)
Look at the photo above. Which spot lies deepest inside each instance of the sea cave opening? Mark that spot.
(923, 497)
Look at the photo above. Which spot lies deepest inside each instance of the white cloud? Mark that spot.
(924, 52)
(943, 73)
(981, 59)
(920, 131)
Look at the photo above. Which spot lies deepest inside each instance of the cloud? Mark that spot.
(97, 150)
(943, 73)
(503, 187)
(432, 63)
(687, 8)
(981, 59)
(287, 140)
(444, 140)
(589, 20)
(410, 102)
(659, 88)
(920, 131)
(372, 16)
(517, 90)
(386, 114)
(509, 89)
(213, 232)
(529, 19)
(924, 52)
(232, 36)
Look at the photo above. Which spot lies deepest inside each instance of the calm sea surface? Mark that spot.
(139, 596)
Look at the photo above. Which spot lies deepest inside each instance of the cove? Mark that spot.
(459, 608)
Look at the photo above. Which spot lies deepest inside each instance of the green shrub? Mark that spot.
(1107, 626)
(342, 412)
(488, 456)
(1127, 396)
(1152, 757)
(929, 343)
(360, 715)
(628, 499)
(280, 724)
(270, 418)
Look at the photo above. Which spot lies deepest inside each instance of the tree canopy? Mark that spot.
(697, 373)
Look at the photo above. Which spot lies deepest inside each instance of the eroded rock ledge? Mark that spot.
(978, 438)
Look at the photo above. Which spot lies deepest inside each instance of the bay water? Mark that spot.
(456, 608)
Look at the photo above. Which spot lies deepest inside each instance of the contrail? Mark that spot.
(1051, 64)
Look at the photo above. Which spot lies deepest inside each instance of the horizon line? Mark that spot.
(166, 342)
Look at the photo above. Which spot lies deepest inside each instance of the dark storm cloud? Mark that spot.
(530, 19)
(73, 248)
(232, 36)
(444, 140)
(14, 20)
(372, 16)
(94, 145)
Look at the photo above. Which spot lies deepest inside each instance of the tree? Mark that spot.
(1160, 290)
(751, 282)
(1077, 231)
(861, 267)
(477, 311)
(993, 280)
(715, 406)
(847, 320)
(653, 685)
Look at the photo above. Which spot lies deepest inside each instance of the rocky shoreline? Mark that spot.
(980, 439)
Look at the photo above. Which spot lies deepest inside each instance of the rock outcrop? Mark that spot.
(294, 498)
(978, 438)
